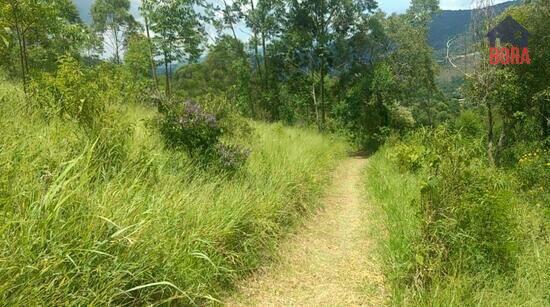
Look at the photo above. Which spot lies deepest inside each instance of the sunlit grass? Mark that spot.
(76, 230)
(395, 195)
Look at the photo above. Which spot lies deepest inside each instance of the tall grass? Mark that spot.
(77, 228)
(397, 196)
(392, 194)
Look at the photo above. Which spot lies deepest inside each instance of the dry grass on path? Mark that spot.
(329, 261)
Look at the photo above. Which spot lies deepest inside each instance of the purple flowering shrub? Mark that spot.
(231, 157)
(189, 127)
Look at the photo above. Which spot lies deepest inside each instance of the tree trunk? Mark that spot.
(544, 117)
(231, 21)
(166, 74)
(25, 54)
(20, 42)
(323, 43)
(255, 35)
(265, 61)
(322, 94)
(151, 56)
(117, 55)
(315, 107)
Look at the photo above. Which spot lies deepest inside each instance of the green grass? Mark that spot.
(392, 193)
(116, 219)
(396, 194)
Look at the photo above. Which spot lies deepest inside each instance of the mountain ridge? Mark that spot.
(451, 23)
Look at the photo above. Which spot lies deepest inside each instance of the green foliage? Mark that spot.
(188, 126)
(458, 228)
(532, 170)
(136, 57)
(224, 72)
(470, 124)
(469, 212)
(156, 229)
(180, 33)
(113, 18)
(69, 93)
(409, 157)
(50, 29)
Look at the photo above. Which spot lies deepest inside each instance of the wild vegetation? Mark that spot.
(114, 218)
(466, 213)
(156, 159)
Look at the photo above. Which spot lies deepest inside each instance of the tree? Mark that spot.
(179, 32)
(136, 58)
(413, 64)
(515, 95)
(224, 72)
(41, 31)
(266, 19)
(231, 15)
(146, 11)
(313, 27)
(112, 18)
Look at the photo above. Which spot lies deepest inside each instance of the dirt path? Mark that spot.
(329, 261)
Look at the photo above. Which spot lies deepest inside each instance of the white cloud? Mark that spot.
(462, 4)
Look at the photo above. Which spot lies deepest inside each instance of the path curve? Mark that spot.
(329, 261)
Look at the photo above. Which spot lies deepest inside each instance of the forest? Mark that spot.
(271, 152)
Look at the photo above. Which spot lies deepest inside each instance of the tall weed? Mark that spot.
(157, 229)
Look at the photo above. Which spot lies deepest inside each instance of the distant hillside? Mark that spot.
(447, 24)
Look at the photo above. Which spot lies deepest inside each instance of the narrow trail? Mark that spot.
(329, 261)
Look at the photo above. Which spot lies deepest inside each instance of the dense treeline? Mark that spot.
(338, 65)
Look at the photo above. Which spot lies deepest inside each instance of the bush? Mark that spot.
(116, 88)
(532, 170)
(199, 133)
(231, 157)
(408, 156)
(401, 118)
(469, 123)
(467, 209)
(190, 128)
(69, 93)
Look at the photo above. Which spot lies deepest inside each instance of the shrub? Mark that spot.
(469, 123)
(467, 209)
(115, 86)
(69, 93)
(231, 157)
(190, 128)
(532, 169)
(401, 118)
(408, 156)
(199, 133)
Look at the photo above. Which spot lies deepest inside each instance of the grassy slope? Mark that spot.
(394, 193)
(131, 223)
(391, 193)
